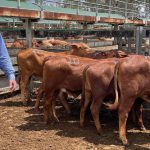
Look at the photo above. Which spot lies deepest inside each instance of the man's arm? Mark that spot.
(6, 65)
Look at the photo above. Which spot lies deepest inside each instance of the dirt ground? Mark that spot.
(21, 128)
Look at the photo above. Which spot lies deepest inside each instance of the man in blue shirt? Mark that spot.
(6, 65)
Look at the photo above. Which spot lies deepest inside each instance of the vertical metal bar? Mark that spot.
(18, 4)
(126, 7)
(78, 7)
(28, 26)
(41, 3)
(129, 44)
(110, 2)
(139, 31)
(96, 8)
(115, 38)
(119, 42)
(85, 27)
(149, 44)
(41, 6)
(13, 23)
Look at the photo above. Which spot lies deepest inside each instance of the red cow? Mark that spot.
(132, 76)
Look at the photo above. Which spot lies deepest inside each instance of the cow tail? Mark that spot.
(116, 103)
(83, 86)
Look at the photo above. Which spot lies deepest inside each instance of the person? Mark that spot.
(6, 65)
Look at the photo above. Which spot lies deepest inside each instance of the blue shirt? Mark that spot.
(5, 62)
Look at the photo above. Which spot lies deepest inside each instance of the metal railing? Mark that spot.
(136, 9)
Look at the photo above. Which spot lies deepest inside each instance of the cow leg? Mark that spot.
(95, 109)
(124, 108)
(84, 105)
(137, 114)
(24, 89)
(39, 97)
(53, 107)
(54, 110)
(63, 98)
(48, 108)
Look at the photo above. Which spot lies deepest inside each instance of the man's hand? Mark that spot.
(12, 85)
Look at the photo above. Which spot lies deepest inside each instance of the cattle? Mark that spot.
(132, 78)
(97, 84)
(28, 67)
(30, 63)
(57, 42)
(83, 50)
(19, 43)
(62, 72)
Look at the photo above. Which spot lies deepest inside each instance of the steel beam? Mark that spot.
(36, 14)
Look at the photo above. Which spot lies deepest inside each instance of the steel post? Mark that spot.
(28, 25)
(129, 44)
(115, 38)
(110, 1)
(18, 4)
(139, 31)
(149, 44)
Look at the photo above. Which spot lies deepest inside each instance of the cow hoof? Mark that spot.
(56, 120)
(125, 142)
(82, 124)
(142, 128)
(99, 132)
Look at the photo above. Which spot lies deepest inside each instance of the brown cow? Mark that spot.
(30, 63)
(19, 43)
(62, 72)
(29, 68)
(98, 84)
(57, 42)
(83, 50)
(132, 76)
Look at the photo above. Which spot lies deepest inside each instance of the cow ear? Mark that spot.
(74, 46)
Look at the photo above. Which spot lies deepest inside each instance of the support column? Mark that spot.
(129, 44)
(28, 25)
(115, 38)
(139, 31)
(119, 42)
(149, 44)
(85, 27)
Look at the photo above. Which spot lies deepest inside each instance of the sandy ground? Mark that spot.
(21, 128)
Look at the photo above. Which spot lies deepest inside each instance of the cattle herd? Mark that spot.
(100, 77)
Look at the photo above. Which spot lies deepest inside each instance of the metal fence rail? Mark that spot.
(125, 8)
(138, 8)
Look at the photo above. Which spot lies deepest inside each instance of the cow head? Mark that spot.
(80, 49)
(121, 54)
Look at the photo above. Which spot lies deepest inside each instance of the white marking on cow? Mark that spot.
(73, 61)
(147, 57)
